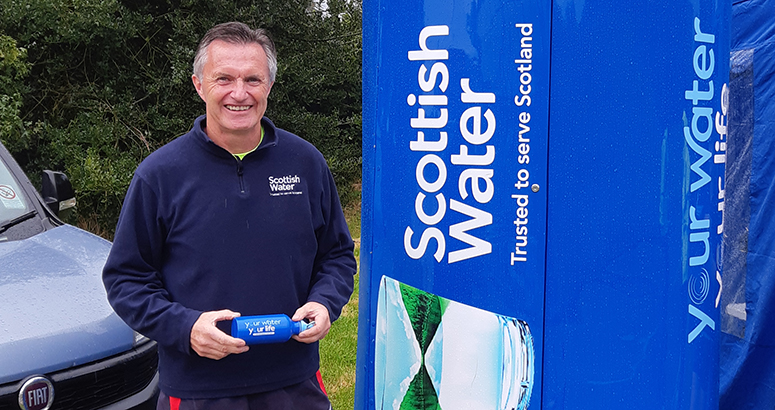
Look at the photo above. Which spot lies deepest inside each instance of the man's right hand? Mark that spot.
(209, 341)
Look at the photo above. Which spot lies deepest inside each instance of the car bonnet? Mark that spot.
(54, 312)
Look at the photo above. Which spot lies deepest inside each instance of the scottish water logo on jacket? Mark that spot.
(285, 185)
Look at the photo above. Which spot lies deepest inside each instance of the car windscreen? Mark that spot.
(13, 202)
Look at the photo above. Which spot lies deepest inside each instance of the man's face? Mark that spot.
(235, 84)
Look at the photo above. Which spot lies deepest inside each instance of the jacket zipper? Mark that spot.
(239, 175)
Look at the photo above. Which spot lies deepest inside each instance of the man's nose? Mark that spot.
(240, 89)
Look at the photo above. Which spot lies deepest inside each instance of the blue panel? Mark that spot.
(599, 254)
(635, 181)
(455, 139)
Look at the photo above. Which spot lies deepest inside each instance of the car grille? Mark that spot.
(96, 384)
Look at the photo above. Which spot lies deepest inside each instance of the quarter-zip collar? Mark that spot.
(268, 141)
(270, 138)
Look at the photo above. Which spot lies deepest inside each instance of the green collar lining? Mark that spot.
(242, 155)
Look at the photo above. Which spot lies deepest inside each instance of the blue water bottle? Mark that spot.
(267, 328)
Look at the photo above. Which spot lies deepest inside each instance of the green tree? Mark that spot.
(110, 81)
(13, 70)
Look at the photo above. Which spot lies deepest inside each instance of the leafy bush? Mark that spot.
(13, 69)
(107, 82)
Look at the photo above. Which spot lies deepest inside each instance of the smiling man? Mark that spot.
(234, 80)
(235, 217)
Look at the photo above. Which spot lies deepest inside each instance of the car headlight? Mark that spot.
(140, 339)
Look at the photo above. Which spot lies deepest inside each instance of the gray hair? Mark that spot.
(236, 33)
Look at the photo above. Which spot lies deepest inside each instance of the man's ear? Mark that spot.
(198, 86)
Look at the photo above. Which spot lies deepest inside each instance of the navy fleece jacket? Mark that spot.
(201, 230)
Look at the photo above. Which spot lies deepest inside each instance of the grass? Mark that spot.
(337, 350)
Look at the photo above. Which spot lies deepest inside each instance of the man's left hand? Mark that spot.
(313, 311)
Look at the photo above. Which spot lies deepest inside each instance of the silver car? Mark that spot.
(61, 344)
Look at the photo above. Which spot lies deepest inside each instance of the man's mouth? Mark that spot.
(238, 107)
